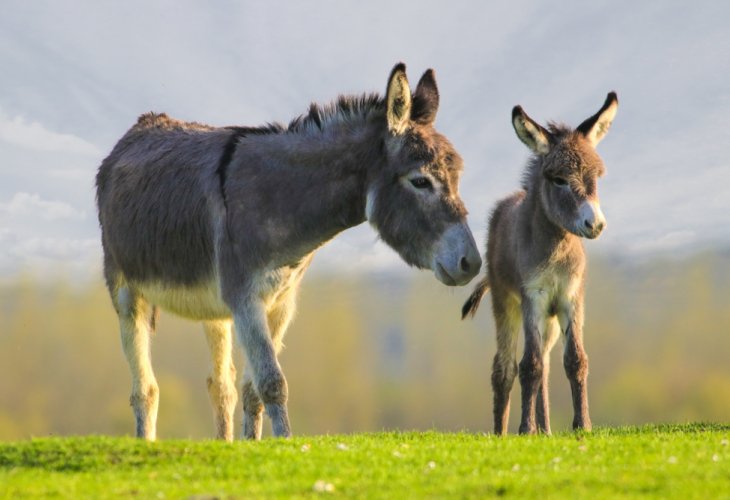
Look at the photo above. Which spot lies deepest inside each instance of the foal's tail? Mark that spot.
(472, 304)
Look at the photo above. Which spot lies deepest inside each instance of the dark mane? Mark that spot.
(531, 170)
(559, 130)
(344, 109)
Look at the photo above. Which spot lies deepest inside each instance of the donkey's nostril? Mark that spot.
(588, 224)
(464, 265)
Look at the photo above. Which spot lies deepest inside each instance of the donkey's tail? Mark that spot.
(472, 304)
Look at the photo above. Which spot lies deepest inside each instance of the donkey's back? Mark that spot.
(156, 198)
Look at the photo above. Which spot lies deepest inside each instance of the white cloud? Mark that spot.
(25, 203)
(50, 257)
(33, 135)
(67, 249)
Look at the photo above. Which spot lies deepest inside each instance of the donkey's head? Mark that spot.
(413, 197)
(568, 167)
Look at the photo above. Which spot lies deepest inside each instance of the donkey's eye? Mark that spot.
(421, 183)
(559, 181)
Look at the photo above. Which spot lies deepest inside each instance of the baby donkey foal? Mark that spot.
(536, 265)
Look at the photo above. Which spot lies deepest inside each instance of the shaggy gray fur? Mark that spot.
(536, 266)
(220, 224)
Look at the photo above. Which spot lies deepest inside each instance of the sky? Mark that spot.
(76, 74)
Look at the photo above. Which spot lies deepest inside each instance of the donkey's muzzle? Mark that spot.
(591, 220)
(456, 258)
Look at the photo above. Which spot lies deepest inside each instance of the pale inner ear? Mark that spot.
(399, 104)
(531, 135)
(600, 128)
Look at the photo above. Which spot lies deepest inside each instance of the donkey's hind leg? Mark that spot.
(278, 318)
(507, 317)
(222, 382)
(137, 321)
(552, 332)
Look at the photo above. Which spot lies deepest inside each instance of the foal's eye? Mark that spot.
(559, 181)
(421, 183)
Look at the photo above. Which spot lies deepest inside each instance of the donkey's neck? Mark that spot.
(297, 190)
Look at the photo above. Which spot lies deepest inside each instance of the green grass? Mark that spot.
(680, 461)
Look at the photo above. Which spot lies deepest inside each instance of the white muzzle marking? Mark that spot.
(591, 220)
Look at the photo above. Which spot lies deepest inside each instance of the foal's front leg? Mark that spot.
(575, 361)
(550, 334)
(266, 376)
(531, 366)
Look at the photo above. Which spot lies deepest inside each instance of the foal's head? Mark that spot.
(568, 167)
(413, 199)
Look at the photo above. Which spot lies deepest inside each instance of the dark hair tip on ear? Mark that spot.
(401, 66)
(428, 80)
(612, 97)
(517, 111)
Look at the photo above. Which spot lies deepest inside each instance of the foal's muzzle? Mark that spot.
(456, 258)
(591, 220)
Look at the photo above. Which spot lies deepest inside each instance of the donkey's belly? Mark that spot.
(200, 302)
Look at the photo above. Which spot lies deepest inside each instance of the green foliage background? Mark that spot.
(368, 353)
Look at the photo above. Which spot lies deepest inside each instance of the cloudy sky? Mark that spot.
(75, 75)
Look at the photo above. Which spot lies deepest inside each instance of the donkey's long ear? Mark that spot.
(530, 132)
(425, 99)
(594, 128)
(398, 100)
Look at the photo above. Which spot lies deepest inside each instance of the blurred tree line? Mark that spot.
(367, 353)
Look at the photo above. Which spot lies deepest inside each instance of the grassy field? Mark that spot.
(687, 461)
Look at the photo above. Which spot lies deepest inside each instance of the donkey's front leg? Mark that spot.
(531, 366)
(266, 375)
(575, 361)
(253, 408)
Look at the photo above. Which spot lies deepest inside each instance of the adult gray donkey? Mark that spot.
(220, 224)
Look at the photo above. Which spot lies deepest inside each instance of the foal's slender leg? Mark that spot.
(265, 375)
(552, 332)
(222, 381)
(278, 319)
(136, 322)
(575, 361)
(507, 317)
(531, 366)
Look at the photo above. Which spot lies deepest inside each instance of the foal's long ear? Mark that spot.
(530, 132)
(425, 99)
(594, 128)
(398, 100)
